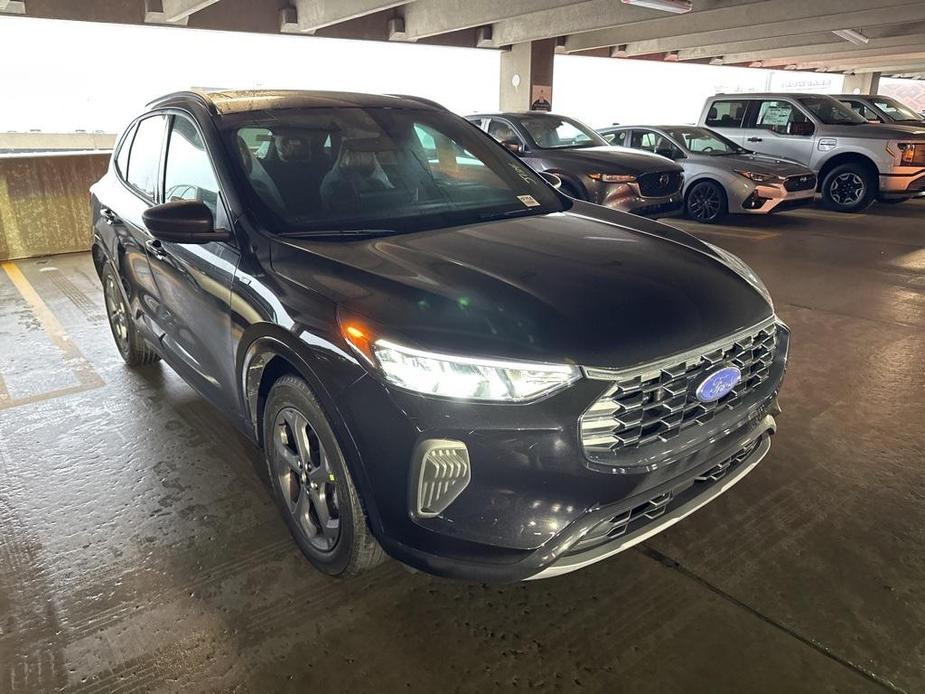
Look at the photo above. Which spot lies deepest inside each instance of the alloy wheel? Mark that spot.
(704, 202)
(306, 479)
(847, 189)
(115, 310)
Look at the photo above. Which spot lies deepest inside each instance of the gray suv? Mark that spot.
(856, 162)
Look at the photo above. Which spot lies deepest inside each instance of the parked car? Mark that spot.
(589, 168)
(720, 176)
(856, 162)
(882, 109)
(441, 356)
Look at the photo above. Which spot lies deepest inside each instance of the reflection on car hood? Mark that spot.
(759, 163)
(589, 286)
(609, 160)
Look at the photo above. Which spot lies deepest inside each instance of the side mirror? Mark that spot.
(552, 179)
(513, 145)
(183, 221)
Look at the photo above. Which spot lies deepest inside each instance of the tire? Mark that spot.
(706, 202)
(849, 188)
(311, 483)
(132, 346)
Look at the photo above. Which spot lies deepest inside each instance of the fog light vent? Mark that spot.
(443, 474)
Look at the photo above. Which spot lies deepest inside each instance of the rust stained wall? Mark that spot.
(45, 203)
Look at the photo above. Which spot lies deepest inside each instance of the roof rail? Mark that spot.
(198, 94)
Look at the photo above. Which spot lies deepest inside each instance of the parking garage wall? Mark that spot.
(45, 204)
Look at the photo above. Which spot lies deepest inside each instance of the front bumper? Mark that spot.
(533, 494)
(903, 182)
(626, 198)
(765, 199)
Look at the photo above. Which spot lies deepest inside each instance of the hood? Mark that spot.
(876, 131)
(564, 287)
(610, 160)
(759, 163)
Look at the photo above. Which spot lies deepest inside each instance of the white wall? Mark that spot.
(602, 91)
(62, 76)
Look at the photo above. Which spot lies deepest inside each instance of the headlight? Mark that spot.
(612, 178)
(739, 265)
(460, 377)
(759, 177)
(907, 153)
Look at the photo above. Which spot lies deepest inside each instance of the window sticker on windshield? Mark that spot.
(528, 200)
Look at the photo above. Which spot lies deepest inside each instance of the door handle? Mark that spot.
(156, 249)
(755, 139)
(109, 215)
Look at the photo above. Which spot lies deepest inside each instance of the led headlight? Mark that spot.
(759, 177)
(739, 265)
(612, 178)
(460, 377)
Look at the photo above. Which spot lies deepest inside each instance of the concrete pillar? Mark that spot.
(865, 83)
(526, 76)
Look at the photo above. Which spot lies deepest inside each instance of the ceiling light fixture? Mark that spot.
(618, 51)
(855, 37)
(672, 57)
(717, 60)
(675, 6)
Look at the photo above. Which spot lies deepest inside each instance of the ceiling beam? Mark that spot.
(425, 18)
(178, 10)
(12, 7)
(894, 59)
(840, 51)
(312, 15)
(910, 66)
(744, 22)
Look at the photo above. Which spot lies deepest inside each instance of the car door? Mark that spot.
(728, 117)
(194, 280)
(780, 128)
(122, 201)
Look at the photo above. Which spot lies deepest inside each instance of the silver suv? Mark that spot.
(856, 162)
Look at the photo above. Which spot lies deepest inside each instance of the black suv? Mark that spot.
(441, 356)
(589, 167)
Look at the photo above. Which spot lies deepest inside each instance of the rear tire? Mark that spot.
(132, 346)
(311, 483)
(706, 202)
(849, 188)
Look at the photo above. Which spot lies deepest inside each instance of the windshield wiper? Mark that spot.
(340, 233)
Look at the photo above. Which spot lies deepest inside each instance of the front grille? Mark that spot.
(630, 520)
(654, 405)
(795, 183)
(659, 184)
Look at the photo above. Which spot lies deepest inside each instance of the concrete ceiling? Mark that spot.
(794, 34)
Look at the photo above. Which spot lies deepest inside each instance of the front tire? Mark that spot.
(311, 483)
(849, 188)
(132, 346)
(706, 202)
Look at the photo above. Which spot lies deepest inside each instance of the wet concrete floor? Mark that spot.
(140, 550)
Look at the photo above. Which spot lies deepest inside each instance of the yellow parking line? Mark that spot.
(73, 357)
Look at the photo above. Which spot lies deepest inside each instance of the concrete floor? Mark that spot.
(139, 549)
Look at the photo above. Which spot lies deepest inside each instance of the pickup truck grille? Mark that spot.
(659, 184)
(804, 182)
(658, 404)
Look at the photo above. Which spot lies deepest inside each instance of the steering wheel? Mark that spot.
(707, 150)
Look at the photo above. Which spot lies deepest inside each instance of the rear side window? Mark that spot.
(617, 138)
(122, 156)
(188, 173)
(655, 143)
(145, 157)
(726, 114)
(783, 118)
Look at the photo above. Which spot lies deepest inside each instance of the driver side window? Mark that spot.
(655, 143)
(188, 173)
(503, 132)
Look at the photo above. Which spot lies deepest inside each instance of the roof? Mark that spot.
(224, 102)
(767, 95)
(516, 114)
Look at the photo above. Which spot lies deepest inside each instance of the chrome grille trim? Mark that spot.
(656, 402)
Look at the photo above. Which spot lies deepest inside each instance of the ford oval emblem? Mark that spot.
(718, 384)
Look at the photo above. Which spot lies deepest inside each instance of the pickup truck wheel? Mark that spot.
(849, 188)
(706, 202)
(311, 483)
(132, 346)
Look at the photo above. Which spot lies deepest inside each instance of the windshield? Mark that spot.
(556, 132)
(831, 111)
(704, 141)
(895, 109)
(377, 169)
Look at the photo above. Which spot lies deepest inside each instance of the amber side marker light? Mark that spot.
(360, 338)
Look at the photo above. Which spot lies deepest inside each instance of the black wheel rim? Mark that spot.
(704, 202)
(847, 188)
(306, 480)
(115, 311)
